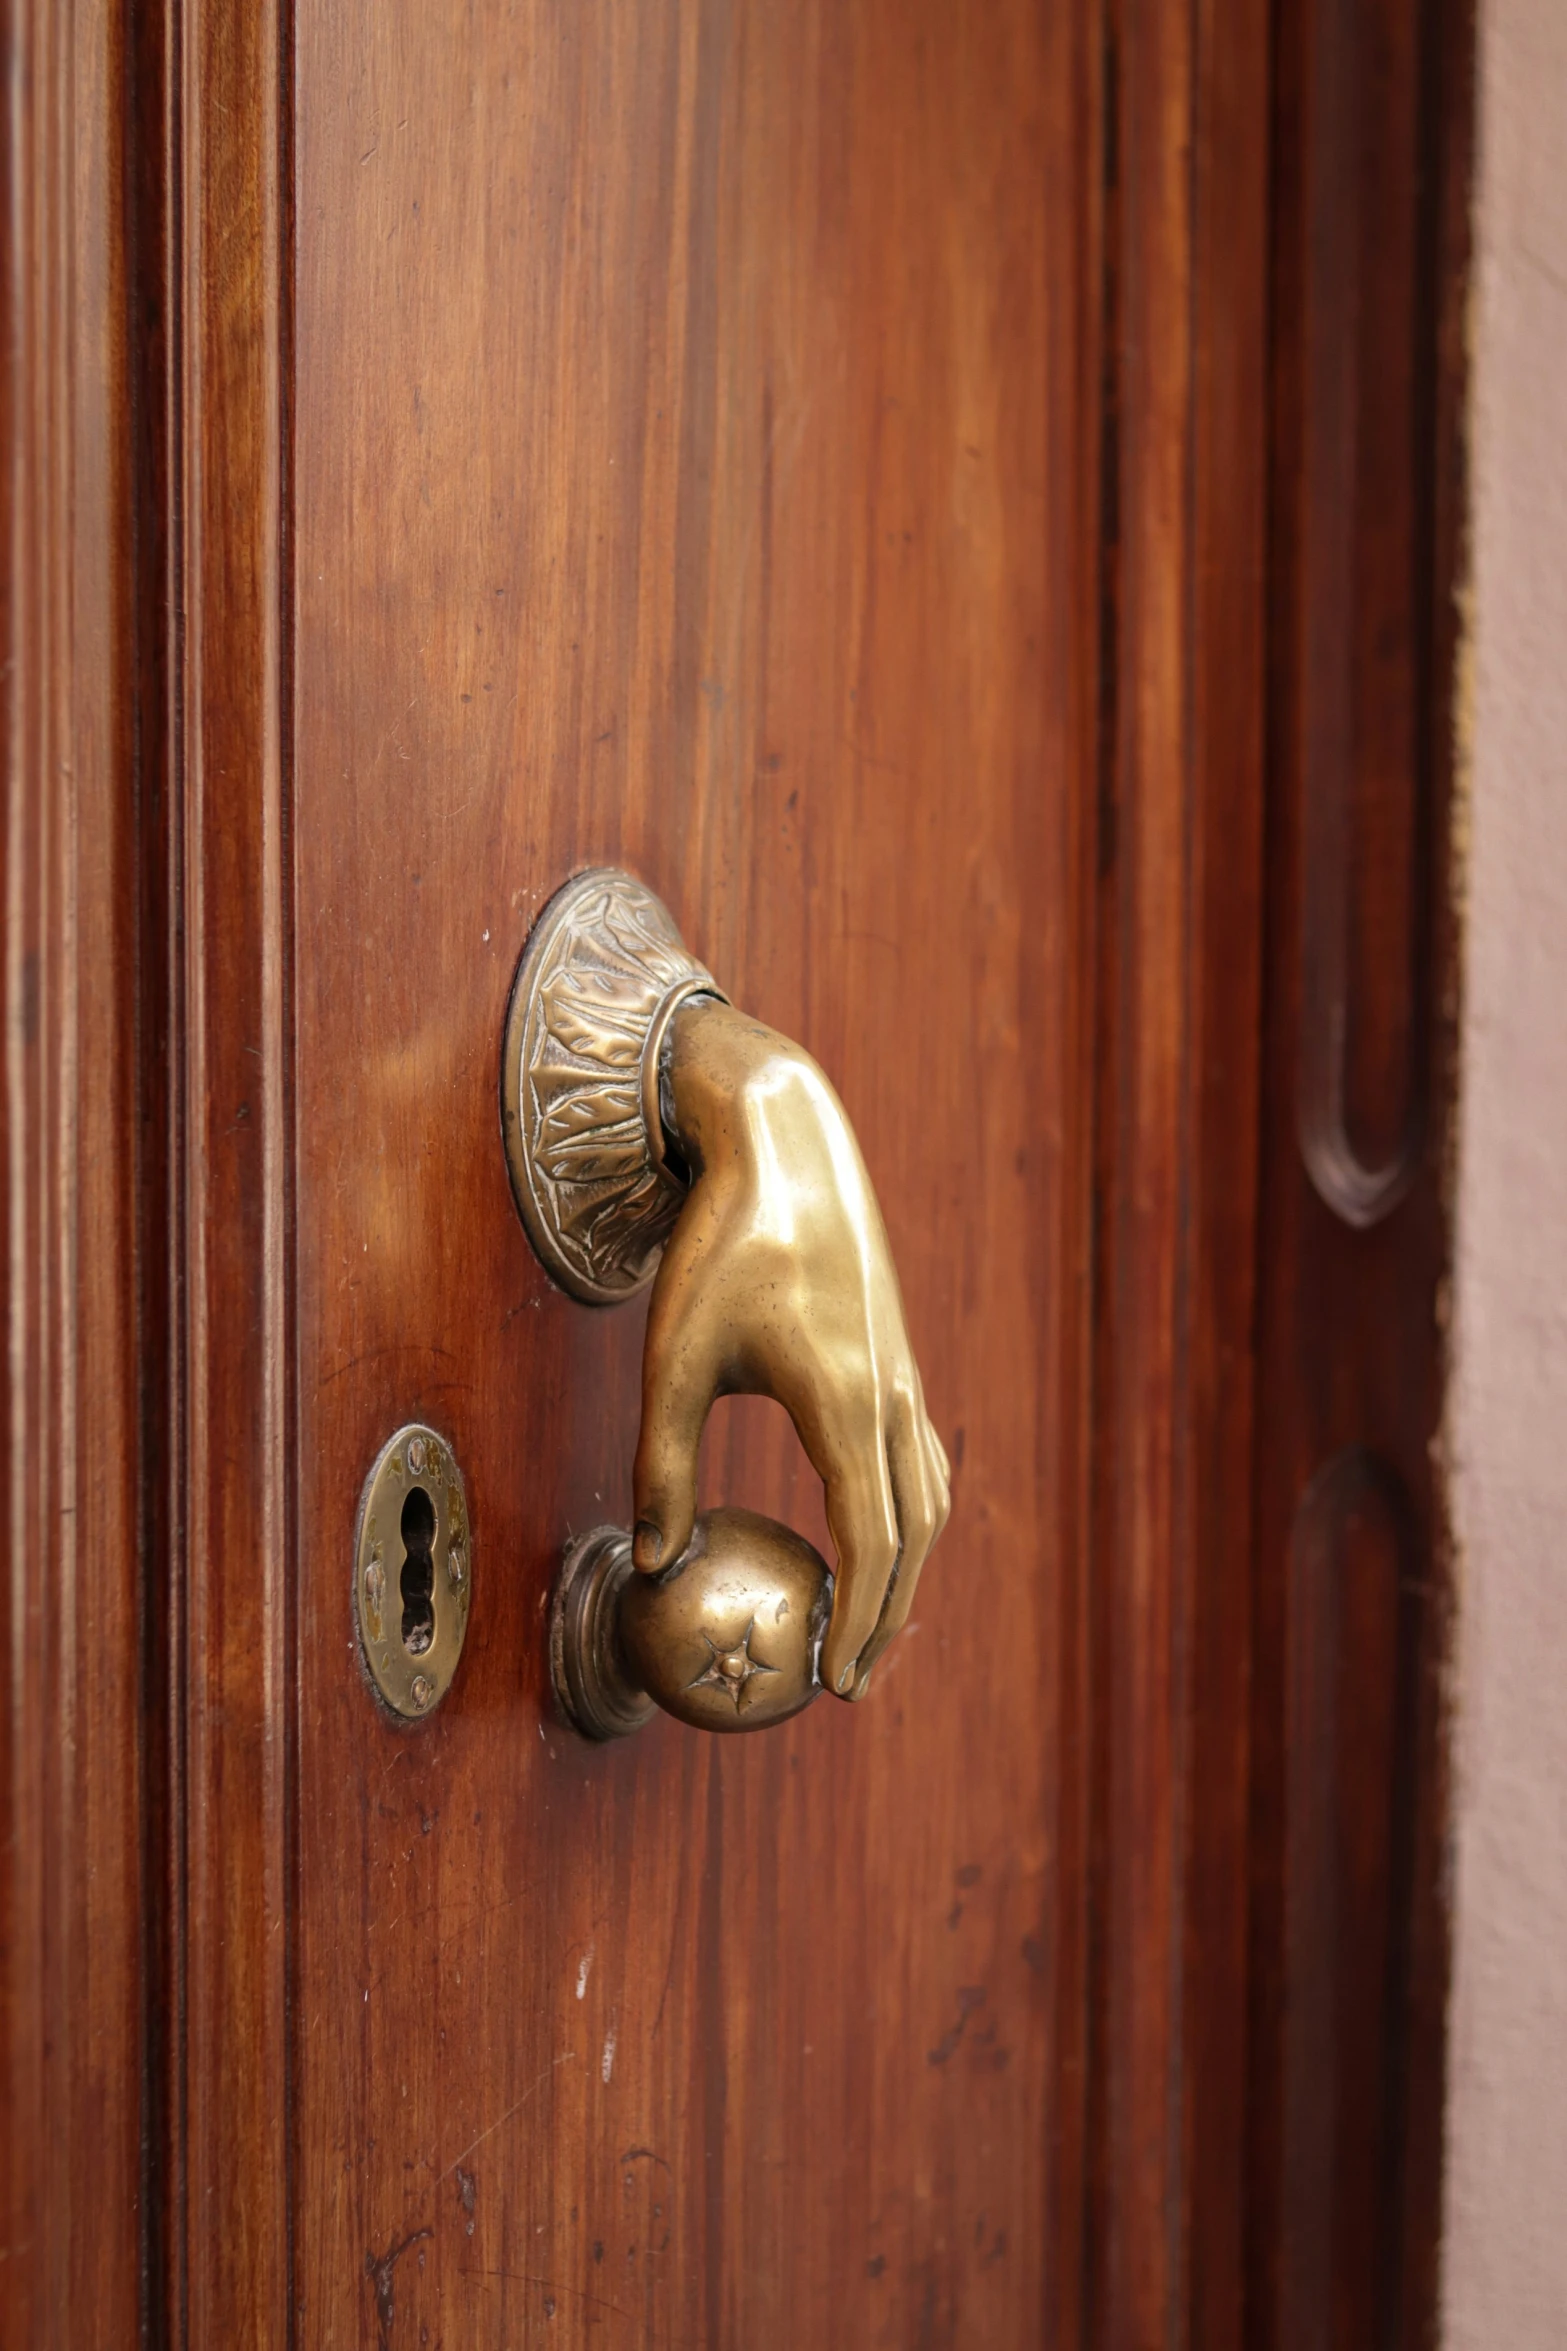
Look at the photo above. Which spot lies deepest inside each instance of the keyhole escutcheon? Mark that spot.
(414, 1538)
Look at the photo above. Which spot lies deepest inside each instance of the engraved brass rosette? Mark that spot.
(603, 971)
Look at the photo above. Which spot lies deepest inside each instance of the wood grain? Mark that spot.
(1350, 1343)
(231, 1443)
(1182, 799)
(1356, 1636)
(71, 1874)
(1232, 152)
(888, 475)
(687, 477)
(1141, 1546)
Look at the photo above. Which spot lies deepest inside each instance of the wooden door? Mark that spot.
(857, 466)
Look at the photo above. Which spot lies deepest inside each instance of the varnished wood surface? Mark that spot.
(1352, 1591)
(686, 477)
(1180, 848)
(231, 1436)
(860, 467)
(72, 1882)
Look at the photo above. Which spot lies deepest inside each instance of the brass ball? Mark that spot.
(728, 1638)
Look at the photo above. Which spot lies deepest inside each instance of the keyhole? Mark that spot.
(418, 1577)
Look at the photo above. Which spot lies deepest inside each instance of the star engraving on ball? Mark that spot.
(730, 1670)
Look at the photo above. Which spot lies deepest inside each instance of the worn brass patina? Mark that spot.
(653, 1131)
(413, 1571)
(603, 970)
(727, 1639)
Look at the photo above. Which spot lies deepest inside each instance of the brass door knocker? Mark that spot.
(656, 1134)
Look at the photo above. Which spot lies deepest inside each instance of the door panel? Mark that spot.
(686, 478)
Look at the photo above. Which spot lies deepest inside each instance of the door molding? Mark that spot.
(215, 257)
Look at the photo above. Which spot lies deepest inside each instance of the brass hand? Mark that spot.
(777, 1281)
(773, 1277)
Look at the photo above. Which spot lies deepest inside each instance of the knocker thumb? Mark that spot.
(663, 1490)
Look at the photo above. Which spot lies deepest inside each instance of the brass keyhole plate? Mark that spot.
(413, 1571)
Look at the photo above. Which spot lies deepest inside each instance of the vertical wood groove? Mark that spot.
(233, 1114)
(1371, 146)
(1142, 1544)
(1182, 733)
(70, 1753)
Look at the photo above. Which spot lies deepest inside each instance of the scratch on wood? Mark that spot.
(490, 2129)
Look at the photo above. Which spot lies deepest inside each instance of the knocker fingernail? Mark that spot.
(647, 1544)
(845, 1678)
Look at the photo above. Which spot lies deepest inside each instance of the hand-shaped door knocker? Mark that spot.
(654, 1133)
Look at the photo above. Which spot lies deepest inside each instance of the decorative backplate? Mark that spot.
(594, 1689)
(413, 1571)
(603, 970)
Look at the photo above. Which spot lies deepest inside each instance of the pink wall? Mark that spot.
(1505, 2259)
